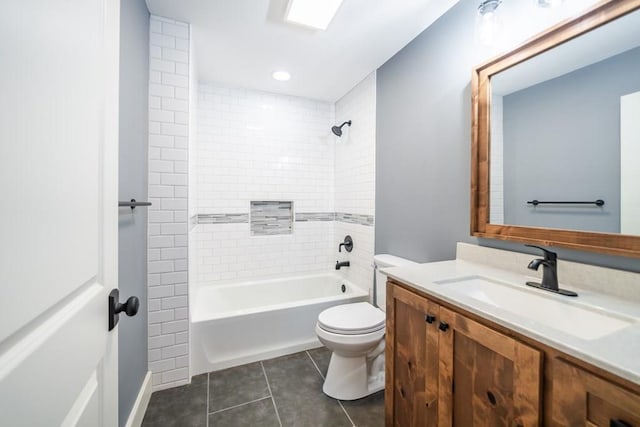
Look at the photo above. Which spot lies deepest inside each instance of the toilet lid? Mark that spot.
(352, 319)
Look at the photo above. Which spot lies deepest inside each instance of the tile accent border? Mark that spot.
(222, 218)
(355, 218)
(315, 216)
(229, 218)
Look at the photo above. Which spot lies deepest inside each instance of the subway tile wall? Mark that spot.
(227, 253)
(355, 150)
(355, 180)
(250, 145)
(253, 145)
(193, 176)
(168, 191)
(258, 146)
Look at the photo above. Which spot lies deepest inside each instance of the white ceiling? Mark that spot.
(241, 42)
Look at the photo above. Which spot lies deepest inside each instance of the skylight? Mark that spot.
(312, 13)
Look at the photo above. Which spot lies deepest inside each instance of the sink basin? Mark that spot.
(581, 322)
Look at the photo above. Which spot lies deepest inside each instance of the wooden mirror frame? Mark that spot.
(608, 243)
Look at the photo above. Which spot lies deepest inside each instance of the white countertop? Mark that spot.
(618, 352)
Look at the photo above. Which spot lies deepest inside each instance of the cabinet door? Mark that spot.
(583, 399)
(486, 378)
(411, 359)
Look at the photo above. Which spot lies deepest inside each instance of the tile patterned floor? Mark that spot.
(281, 392)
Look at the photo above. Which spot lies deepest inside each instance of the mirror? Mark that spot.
(556, 136)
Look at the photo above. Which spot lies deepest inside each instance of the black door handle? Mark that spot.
(429, 318)
(443, 326)
(130, 307)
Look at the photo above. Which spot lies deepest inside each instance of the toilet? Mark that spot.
(355, 335)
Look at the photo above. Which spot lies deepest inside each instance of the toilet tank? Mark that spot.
(384, 261)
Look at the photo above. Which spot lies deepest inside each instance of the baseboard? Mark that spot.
(172, 384)
(141, 403)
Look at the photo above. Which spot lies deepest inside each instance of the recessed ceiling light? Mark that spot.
(281, 76)
(312, 13)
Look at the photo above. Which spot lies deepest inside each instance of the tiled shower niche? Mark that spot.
(269, 218)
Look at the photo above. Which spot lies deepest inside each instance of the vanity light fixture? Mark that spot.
(312, 13)
(488, 22)
(487, 8)
(281, 76)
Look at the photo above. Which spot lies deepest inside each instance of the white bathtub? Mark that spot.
(246, 322)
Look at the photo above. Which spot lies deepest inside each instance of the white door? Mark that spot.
(58, 211)
(629, 158)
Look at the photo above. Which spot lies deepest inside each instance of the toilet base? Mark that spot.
(351, 378)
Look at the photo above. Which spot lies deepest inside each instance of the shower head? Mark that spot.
(337, 130)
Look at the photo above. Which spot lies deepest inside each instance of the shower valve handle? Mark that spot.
(348, 244)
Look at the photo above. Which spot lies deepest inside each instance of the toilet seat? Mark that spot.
(352, 319)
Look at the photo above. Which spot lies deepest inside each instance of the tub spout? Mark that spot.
(341, 264)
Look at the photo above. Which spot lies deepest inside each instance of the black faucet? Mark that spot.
(341, 264)
(549, 272)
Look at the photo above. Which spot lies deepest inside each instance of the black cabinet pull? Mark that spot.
(618, 423)
(443, 326)
(429, 318)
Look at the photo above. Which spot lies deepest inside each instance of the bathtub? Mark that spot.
(246, 322)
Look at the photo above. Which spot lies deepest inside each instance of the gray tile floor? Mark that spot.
(286, 391)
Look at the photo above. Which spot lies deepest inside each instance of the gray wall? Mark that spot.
(132, 246)
(423, 141)
(570, 120)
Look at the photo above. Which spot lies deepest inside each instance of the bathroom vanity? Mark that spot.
(469, 344)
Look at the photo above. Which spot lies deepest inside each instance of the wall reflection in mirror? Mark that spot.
(565, 126)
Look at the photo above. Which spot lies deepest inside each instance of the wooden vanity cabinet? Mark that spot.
(411, 389)
(486, 378)
(581, 398)
(444, 369)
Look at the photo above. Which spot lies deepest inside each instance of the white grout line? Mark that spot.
(314, 364)
(271, 394)
(238, 406)
(208, 375)
(339, 403)
(346, 413)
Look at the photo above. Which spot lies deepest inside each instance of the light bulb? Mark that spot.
(281, 76)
